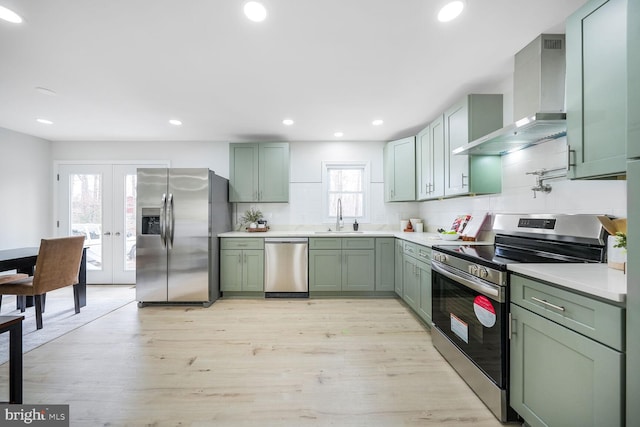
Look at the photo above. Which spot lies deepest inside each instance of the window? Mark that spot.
(349, 182)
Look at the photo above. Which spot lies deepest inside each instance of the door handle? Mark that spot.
(548, 304)
(117, 233)
(512, 326)
(170, 221)
(163, 220)
(107, 233)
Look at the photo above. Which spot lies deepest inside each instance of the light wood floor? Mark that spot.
(342, 362)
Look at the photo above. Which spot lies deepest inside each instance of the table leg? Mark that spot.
(82, 279)
(15, 363)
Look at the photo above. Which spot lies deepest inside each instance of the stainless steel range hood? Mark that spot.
(538, 94)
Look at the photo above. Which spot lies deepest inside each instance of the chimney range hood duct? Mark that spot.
(538, 95)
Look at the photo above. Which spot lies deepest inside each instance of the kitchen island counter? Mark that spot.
(594, 279)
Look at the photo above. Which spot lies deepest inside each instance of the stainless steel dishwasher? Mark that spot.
(286, 267)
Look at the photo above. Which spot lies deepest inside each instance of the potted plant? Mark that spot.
(621, 240)
(251, 217)
(617, 251)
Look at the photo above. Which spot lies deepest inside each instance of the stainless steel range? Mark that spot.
(470, 286)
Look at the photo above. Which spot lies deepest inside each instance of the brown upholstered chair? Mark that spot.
(57, 266)
(5, 278)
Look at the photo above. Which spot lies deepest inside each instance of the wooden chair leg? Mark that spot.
(76, 297)
(43, 301)
(38, 306)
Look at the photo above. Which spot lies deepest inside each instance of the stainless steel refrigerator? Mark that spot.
(179, 214)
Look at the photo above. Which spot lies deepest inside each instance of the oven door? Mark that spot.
(472, 314)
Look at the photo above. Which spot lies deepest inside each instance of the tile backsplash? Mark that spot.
(566, 196)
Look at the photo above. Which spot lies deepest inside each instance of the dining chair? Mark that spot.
(57, 266)
(6, 278)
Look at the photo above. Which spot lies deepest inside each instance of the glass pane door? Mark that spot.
(84, 209)
(99, 202)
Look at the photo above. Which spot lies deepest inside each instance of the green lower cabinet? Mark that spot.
(385, 263)
(241, 270)
(325, 270)
(399, 266)
(339, 265)
(424, 283)
(231, 267)
(358, 270)
(562, 378)
(410, 282)
(339, 271)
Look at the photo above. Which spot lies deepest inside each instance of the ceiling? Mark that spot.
(122, 68)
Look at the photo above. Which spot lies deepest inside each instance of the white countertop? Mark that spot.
(594, 279)
(425, 239)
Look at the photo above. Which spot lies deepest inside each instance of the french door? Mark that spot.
(99, 202)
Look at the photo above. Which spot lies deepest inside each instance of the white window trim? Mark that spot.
(366, 216)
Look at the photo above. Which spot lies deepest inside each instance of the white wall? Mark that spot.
(26, 181)
(181, 154)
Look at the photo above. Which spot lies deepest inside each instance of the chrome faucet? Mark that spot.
(339, 215)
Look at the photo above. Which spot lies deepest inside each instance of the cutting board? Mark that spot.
(474, 226)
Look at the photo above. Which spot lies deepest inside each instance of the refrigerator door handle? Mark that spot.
(163, 220)
(170, 220)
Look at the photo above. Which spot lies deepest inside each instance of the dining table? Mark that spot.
(23, 260)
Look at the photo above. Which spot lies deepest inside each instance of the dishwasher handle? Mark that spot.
(286, 240)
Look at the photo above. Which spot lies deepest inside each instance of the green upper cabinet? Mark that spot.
(633, 69)
(399, 170)
(423, 160)
(597, 88)
(259, 172)
(471, 118)
(430, 161)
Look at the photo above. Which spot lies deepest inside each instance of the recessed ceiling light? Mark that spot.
(450, 11)
(45, 91)
(9, 15)
(44, 121)
(255, 11)
(338, 134)
(175, 122)
(377, 122)
(287, 122)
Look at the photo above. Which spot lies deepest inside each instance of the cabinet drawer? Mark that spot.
(590, 317)
(358, 243)
(410, 249)
(325, 243)
(424, 254)
(241, 243)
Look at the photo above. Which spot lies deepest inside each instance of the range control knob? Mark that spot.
(473, 269)
(484, 273)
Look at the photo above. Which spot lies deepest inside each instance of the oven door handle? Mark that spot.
(496, 293)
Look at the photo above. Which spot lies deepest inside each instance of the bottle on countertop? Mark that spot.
(355, 225)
